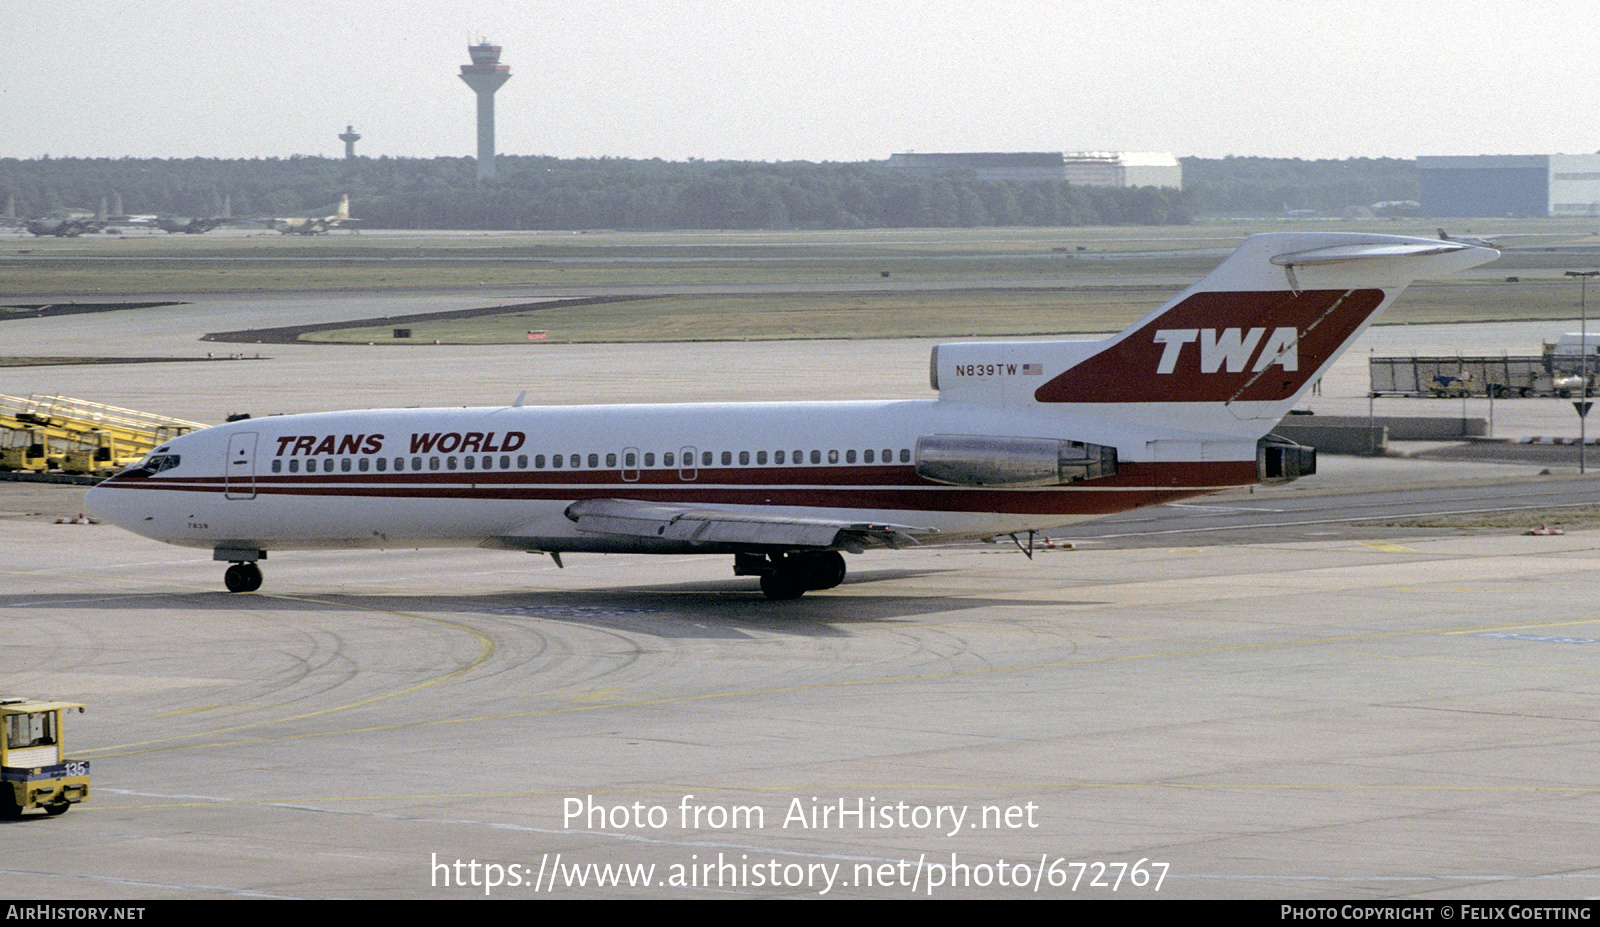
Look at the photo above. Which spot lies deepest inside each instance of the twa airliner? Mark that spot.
(1022, 436)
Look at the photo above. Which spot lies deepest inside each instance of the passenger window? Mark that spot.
(666, 459)
(576, 461)
(522, 462)
(727, 458)
(594, 461)
(905, 455)
(799, 457)
(850, 456)
(833, 457)
(416, 463)
(630, 460)
(866, 456)
(744, 458)
(294, 466)
(364, 464)
(816, 457)
(777, 457)
(555, 461)
(705, 458)
(465, 461)
(277, 466)
(538, 461)
(433, 463)
(382, 464)
(761, 458)
(650, 459)
(611, 460)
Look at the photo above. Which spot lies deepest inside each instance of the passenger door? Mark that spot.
(239, 471)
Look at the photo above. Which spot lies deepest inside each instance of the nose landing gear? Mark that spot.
(242, 577)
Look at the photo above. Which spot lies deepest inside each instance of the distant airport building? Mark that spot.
(1085, 168)
(1509, 185)
(485, 75)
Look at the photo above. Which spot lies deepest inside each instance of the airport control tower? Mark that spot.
(349, 136)
(485, 75)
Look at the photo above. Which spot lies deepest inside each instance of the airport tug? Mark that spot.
(33, 771)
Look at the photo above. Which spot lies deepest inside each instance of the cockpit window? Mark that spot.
(152, 465)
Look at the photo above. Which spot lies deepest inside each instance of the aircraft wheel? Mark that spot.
(824, 570)
(59, 807)
(242, 577)
(783, 584)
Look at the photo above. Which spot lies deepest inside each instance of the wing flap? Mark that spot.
(699, 525)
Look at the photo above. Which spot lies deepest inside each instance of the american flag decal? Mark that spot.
(1033, 370)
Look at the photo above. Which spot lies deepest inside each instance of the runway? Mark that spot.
(1286, 715)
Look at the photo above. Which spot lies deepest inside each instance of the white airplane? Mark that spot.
(1023, 436)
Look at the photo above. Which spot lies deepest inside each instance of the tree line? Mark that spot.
(533, 192)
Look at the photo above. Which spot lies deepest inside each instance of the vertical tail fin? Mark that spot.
(1262, 326)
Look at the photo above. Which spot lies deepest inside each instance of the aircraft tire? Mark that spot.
(782, 585)
(242, 577)
(824, 570)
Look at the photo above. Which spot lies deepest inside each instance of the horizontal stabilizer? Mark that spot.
(698, 525)
(1339, 254)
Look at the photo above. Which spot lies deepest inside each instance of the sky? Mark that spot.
(808, 80)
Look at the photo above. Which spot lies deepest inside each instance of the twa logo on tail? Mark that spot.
(1221, 346)
(1232, 347)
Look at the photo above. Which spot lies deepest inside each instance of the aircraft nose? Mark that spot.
(108, 504)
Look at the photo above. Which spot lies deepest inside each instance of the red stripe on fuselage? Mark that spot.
(885, 488)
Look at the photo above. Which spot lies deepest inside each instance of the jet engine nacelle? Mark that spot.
(979, 460)
(1279, 460)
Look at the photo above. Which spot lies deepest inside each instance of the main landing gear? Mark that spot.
(242, 577)
(789, 576)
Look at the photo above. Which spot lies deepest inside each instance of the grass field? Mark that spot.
(912, 282)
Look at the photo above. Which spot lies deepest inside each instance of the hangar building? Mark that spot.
(1086, 168)
(1509, 185)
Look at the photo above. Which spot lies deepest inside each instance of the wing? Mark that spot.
(701, 524)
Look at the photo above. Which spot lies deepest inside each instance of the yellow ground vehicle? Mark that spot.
(34, 773)
(26, 449)
(58, 432)
(99, 452)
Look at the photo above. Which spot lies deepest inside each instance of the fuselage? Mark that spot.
(504, 477)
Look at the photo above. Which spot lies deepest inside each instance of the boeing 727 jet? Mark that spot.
(1022, 436)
